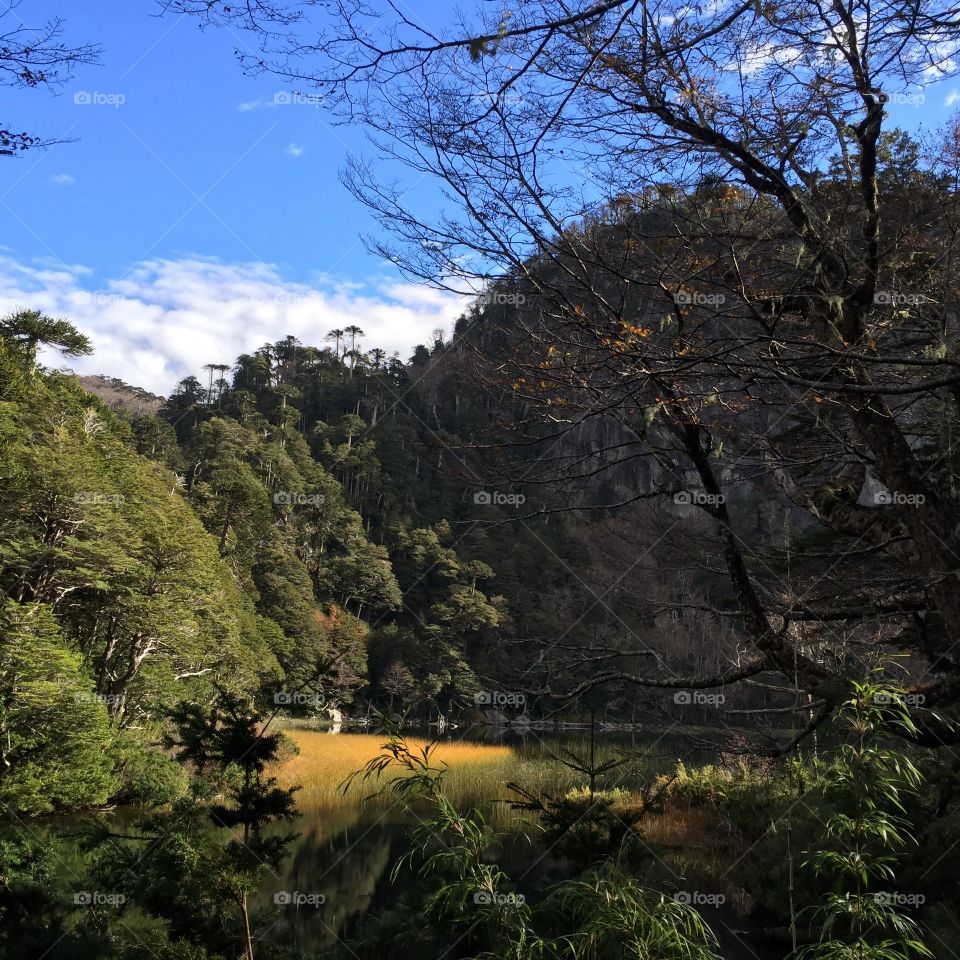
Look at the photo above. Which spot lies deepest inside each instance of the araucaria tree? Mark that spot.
(712, 270)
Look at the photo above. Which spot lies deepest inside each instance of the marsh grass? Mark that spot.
(477, 774)
(324, 763)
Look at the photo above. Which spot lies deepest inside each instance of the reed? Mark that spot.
(477, 772)
(324, 762)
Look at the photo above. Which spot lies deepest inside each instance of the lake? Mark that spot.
(338, 872)
(340, 866)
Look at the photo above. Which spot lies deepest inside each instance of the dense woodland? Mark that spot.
(314, 530)
(242, 538)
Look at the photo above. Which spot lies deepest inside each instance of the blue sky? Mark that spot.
(195, 159)
(200, 213)
(191, 187)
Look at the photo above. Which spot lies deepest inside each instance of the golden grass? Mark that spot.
(325, 761)
(477, 774)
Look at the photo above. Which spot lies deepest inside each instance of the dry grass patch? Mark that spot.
(326, 760)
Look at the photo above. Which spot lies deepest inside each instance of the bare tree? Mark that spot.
(34, 56)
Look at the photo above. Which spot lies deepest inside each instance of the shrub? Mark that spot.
(615, 795)
(146, 775)
(698, 787)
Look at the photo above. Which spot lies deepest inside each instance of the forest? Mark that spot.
(618, 621)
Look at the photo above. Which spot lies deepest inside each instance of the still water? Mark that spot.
(338, 873)
(340, 867)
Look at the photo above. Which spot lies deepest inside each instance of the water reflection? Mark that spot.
(342, 860)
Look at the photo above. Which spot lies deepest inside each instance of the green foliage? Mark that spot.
(605, 913)
(748, 797)
(229, 737)
(296, 543)
(614, 795)
(102, 537)
(113, 597)
(588, 830)
(327, 498)
(863, 842)
(216, 841)
(31, 896)
(28, 329)
(612, 917)
(145, 774)
(700, 786)
(203, 906)
(55, 736)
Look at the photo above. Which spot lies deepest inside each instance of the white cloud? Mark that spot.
(282, 98)
(166, 318)
(756, 56)
(952, 97)
(295, 150)
(940, 58)
(62, 180)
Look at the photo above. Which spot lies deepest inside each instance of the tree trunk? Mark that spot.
(247, 938)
